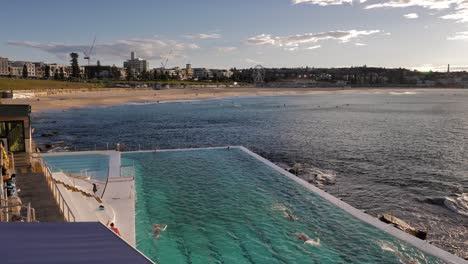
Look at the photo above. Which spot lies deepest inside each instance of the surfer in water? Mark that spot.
(158, 228)
(307, 240)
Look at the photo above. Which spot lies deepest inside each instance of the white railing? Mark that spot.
(62, 204)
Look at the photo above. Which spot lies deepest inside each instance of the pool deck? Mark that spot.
(118, 198)
(120, 195)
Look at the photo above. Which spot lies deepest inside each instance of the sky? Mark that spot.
(417, 34)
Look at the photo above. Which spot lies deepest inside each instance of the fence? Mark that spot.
(62, 204)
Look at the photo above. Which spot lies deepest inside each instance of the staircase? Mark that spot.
(34, 190)
(22, 160)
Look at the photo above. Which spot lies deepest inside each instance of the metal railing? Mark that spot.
(7, 214)
(62, 204)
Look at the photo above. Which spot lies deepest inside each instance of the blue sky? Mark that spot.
(221, 34)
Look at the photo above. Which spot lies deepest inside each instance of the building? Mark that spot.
(136, 65)
(98, 72)
(40, 69)
(15, 129)
(221, 74)
(15, 71)
(57, 68)
(14, 65)
(202, 74)
(188, 73)
(4, 71)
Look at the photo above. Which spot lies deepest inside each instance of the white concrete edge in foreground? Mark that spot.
(418, 243)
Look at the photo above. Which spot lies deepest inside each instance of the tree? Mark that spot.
(62, 74)
(98, 69)
(74, 64)
(130, 75)
(115, 72)
(56, 74)
(25, 71)
(155, 74)
(47, 71)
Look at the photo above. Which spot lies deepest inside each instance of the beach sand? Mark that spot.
(66, 99)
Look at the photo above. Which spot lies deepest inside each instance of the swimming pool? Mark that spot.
(95, 166)
(224, 206)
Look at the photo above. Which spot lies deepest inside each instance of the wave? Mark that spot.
(457, 203)
(311, 174)
(154, 102)
(318, 176)
(402, 93)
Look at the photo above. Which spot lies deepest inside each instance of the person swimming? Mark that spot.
(307, 240)
(158, 228)
(286, 212)
(289, 216)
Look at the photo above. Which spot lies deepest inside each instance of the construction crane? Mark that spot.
(87, 54)
(164, 63)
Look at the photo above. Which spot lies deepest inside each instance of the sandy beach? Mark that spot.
(66, 99)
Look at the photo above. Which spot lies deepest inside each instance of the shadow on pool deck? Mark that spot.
(34, 190)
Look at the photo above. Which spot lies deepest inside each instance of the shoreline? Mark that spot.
(55, 100)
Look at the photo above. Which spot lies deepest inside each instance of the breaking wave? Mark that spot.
(457, 204)
(402, 93)
(311, 174)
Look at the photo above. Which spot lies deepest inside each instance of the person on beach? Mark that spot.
(158, 228)
(94, 188)
(113, 228)
(307, 240)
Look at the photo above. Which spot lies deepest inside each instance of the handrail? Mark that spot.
(62, 204)
(30, 213)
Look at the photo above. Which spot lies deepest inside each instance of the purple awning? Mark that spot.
(64, 243)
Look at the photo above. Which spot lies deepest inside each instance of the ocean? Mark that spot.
(397, 153)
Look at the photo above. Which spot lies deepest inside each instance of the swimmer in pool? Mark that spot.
(289, 216)
(158, 228)
(312, 242)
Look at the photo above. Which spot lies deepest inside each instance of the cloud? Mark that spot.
(291, 49)
(430, 4)
(251, 61)
(292, 41)
(459, 36)
(314, 47)
(411, 16)
(149, 49)
(227, 49)
(323, 2)
(360, 44)
(458, 8)
(203, 36)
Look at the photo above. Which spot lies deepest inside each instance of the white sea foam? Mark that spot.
(402, 93)
(319, 176)
(458, 204)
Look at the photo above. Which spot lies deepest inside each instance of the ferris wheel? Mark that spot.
(258, 74)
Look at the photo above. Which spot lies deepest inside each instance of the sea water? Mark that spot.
(402, 154)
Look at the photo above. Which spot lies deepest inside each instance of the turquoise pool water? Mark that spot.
(93, 165)
(224, 206)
